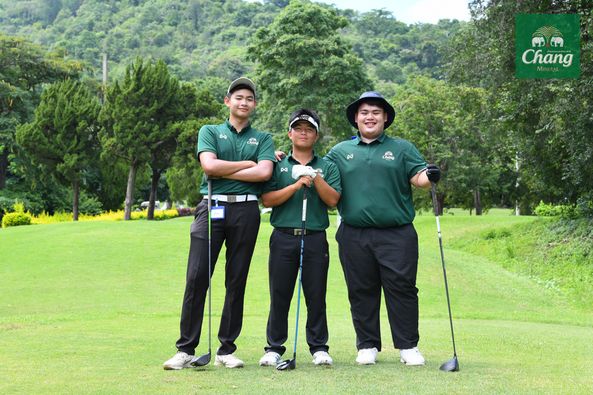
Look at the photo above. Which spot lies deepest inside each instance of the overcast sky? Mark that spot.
(409, 11)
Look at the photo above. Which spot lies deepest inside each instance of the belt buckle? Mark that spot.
(231, 198)
(298, 232)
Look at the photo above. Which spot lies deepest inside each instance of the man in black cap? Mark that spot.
(238, 159)
(378, 244)
(284, 192)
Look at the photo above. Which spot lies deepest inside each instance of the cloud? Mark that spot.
(430, 11)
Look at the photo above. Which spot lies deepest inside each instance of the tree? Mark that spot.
(63, 135)
(302, 61)
(547, 122)
(449, 126)
(23, 68)
(137, 115)
(185, 173)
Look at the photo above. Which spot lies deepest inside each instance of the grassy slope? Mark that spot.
(94, 307)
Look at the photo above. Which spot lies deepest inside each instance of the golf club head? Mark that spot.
(201, 361)
(451, 365)
(287, 364)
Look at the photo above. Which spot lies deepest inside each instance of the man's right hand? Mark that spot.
(304, 181)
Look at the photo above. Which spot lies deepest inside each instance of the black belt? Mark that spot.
(298, 231)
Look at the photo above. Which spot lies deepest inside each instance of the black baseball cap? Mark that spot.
(373, 97)
(304, 114)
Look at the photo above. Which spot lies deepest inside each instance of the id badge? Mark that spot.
(217, 213)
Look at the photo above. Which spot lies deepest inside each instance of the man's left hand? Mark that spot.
(433, 173)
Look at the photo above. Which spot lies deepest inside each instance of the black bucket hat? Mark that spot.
(371, 96)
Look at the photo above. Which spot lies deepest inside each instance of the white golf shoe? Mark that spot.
(367, 356)
(411, 356)
(228, 361)
(178, 361)
(322, 358)
(270, 358)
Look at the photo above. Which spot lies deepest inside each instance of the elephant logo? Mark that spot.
(538, 41)
(547, 36)
(557, 42)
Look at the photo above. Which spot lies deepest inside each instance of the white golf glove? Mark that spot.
(299, 171)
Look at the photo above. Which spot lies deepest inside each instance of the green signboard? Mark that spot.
(547, 46)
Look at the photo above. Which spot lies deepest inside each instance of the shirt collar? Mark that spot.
(378, 140)
(232, 128)
(293, 160)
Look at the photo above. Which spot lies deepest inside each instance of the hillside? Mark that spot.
(208, 38)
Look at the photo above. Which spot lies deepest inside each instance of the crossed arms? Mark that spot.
(245, 170)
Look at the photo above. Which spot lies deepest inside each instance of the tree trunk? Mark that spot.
(3, 167)
(477, 202)
(75, 199)
(130, 191)
(156, 175)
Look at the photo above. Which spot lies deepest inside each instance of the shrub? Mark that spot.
(16, 219)
(551, 210)
(90, 205)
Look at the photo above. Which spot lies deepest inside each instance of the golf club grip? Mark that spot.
(304, 212)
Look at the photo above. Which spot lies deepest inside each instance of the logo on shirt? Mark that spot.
(222, 136)
(350, 156)
(388, 156)
(284, 170)
(252, 141)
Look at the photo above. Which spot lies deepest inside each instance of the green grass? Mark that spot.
(94, 308)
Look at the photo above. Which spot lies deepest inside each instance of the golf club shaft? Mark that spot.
(303, 222)
(209, 266)
(435, 207)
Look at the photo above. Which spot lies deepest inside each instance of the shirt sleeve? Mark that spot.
(414, 161)
(206, 140)
(332, 177)
(331, 155)
(266, 148)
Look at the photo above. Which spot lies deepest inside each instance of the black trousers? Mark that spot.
(381, 258)
(283, 268)
(239, 231)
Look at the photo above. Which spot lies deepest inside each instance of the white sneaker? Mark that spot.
(367, 356)
(178, 361)
(411, 356)
(270, 358)
(322, 358)
(229, 361)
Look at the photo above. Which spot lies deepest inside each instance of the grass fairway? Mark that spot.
(94, 308)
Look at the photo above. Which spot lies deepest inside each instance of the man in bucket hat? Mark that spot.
(378, 245)
(300, 169)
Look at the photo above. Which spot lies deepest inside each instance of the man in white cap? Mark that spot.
(238, 159)
(378, 244)
(284, 192)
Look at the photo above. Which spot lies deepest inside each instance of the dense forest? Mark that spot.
(70, 143)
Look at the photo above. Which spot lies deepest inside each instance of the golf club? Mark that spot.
(205, 359)
(451, 365)
(290, 364)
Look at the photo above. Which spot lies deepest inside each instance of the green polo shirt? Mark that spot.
(376, 189)
(289, 214)
(230, 145)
